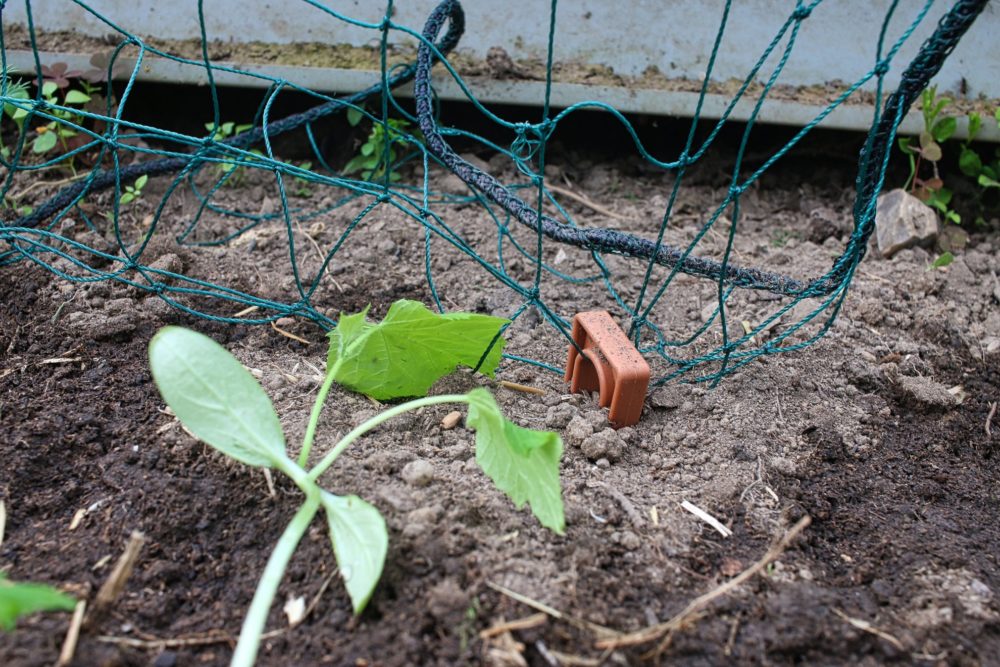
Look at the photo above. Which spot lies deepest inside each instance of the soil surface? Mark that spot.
(883, 433)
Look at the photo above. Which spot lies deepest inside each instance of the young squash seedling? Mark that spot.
(22, 598)
(221, 403)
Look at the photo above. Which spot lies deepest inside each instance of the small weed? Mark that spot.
(942, 260)
(134, 191)
(928, 150)
(230, 172)
(378, 154)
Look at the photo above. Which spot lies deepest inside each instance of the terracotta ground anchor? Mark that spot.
(610, 364)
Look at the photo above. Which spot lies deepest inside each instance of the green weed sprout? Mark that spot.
(229, 170)
(134, 191)
(22, 598)
(377, 154)
(221, 403)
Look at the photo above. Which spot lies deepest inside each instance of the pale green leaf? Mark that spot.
(21, 599)
(49, 88)
(410, 349)
(353, 116)
(215, 397)
(944, 128)
(44, 142)
(944, 259)
(360, 543)
(140, 182)
(523, 463)
(76, 97)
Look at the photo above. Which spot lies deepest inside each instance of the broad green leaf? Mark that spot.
(523, 463)
(353, 116)
(49, 88)
(77, 97)
(944, 128)
(944, 259)
(21, 599)
(360, 543)
(140, 182)
(215, 397)
(127, 197)
(410, 349)
(44, 142)
(969, 162)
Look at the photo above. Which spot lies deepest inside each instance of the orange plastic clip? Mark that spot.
(609, 364)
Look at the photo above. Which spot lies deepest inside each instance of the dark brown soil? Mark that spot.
(898, 566)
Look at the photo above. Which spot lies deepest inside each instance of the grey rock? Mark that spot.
(927, 392)
(669, 397)
(418, 472)
(559, 416)
(578, 430)
(453, 185)
(903, 221)
(603, 445)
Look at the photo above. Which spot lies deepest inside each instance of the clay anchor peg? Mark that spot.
(610, 364)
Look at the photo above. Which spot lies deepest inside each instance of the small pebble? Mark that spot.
(451, 420)
(418, 472)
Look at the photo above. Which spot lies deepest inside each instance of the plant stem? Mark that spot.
(310, 435)
(267, 587)
(360, 430)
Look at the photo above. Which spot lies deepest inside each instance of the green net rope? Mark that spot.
(40, 237)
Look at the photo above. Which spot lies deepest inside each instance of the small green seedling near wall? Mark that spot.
(378, 153)
(22, 598)
(221, 403)
(230, 171)
(134, 191)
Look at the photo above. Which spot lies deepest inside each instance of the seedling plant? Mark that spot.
(19, 599)
(230, 172)
(378, 153)
(221, 403)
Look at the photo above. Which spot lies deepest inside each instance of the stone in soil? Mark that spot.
(903, 221)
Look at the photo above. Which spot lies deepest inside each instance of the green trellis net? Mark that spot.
(46, 127)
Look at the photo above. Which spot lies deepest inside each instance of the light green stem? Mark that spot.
(307, 441)
(360, 430)
(256, 619)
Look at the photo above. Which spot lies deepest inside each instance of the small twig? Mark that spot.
(731, 642)
(521, 387)
(697, 605)
(707, 518)
(865, 626)
(599, 630)
(272, 494)
(176, 642)
(115, 583)
(585, 201)
(59, 360)
(634, 515)
(288, 334)
(72, 635)
(525, 623)
(246, 311)
(988, 426)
